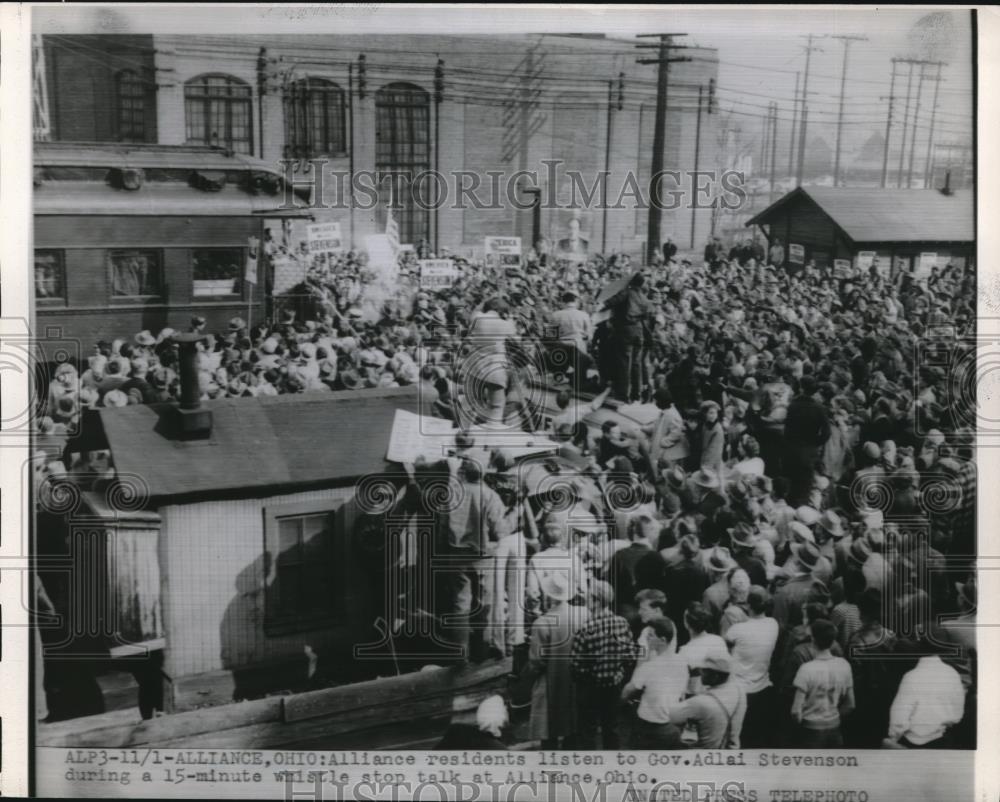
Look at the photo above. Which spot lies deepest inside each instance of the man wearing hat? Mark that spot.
(488, 366)
(669, 488)
(743, 543)
(718, 712)
(793, 590)
(574, 330)
(64, 385)
(719, 563)
(554, 694)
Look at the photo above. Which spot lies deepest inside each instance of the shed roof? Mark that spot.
(259, 444)
(872, 214)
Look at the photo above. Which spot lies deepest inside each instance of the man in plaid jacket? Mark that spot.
(603, 653)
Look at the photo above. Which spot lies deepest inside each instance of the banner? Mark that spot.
(502, 251)
(841, 268)
(325, 238)
(380, 251)
(796, 254)
(865, 259)
(392, 229)
(253, 252)
(436, 274)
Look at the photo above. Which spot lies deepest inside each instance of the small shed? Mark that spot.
(900, 228)
(239, 547)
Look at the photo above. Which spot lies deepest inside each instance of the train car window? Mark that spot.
(217, 111)
(50, 276)
(135, 273)
(217, 271)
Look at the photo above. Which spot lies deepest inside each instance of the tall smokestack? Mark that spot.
(193, 421)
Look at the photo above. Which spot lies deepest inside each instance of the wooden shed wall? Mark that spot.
(212, 556)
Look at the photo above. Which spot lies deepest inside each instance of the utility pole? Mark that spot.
(765, 130)
(697, 150)
(888, 124)
(663, 62)
(906, 122)
(805, 108)
(607, 151)
(913, 137)
(840, 112)
(774, 145)
(928, 173)
(795, 125)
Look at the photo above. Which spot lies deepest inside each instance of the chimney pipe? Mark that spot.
(193, 421)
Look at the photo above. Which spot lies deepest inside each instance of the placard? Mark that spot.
(324, 238)
(253, 251)
(416, 435)
(437, 274)
(502, 251)
(865, 259)
(796, 254)
(841, 268)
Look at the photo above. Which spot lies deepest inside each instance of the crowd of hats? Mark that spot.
(727, 323)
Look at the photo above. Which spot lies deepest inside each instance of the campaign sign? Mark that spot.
(436, 274)
(325, 238)
(865, 259)
(797, 254)
(841, 268)
(502, 251)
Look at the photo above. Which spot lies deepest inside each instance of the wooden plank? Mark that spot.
(261, 724)
(365, 726)
(114, 732)
(389, 690)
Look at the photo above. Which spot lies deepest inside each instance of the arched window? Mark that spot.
(314, 119)
(131, 98)
(402, 145)
(217, 111)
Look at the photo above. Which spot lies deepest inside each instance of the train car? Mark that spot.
(130, 238)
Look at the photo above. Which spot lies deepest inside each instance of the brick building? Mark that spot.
(381, 103)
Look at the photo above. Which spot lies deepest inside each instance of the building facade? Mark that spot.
(410, 104)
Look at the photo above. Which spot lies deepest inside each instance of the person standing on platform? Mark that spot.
(630, 310)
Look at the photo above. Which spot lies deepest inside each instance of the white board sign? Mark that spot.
(796, 254)
(502, 251)
(437, 273)
(417, 435)
(841, 268)
(324, 238)
(865, 259)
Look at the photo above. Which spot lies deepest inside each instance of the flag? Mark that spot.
(253, 251)
(392, 230)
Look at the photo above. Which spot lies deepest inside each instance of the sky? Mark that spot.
(760, 48)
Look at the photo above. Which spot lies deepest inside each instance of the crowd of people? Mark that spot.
(775, 558)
